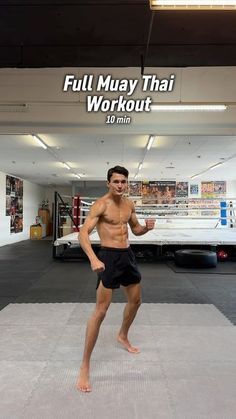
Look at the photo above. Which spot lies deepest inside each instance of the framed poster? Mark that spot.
(135, 188)
(181, 189)
(166, 192)
(150, 192)
(14, 203)
(194, 189)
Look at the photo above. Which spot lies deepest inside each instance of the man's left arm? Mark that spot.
(138, 229)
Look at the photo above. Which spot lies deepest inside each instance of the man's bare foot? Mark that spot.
(82, 383)
(127, 345)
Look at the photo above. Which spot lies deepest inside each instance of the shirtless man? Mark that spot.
(115, 263)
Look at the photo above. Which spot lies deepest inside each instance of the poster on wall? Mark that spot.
(194, 189)
(214, 189)
(135, 188)
(181, 193)
(181, 189)
(166, 192)
(150, 192)
(14, 203)
(219, 189)
(207, 190)
(135, 192)
(211, 190)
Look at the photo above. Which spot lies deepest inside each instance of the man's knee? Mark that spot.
(101, 310)
(136, 302)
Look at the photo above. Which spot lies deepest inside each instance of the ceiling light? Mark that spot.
(78, 176)
(216, 165)
(150, 142)
(188, 108)
(209, 168)
(66, 165)
(193, 4)
(140, 166)
(39, 142)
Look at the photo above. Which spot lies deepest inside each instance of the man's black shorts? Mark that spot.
(120, 267)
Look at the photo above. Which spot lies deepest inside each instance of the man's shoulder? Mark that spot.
(129, 202)
(100, 204)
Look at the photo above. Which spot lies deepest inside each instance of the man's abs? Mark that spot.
(113, 235)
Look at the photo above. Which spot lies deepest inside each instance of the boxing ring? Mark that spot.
(183, 223)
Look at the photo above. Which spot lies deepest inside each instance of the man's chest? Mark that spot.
(117, 215)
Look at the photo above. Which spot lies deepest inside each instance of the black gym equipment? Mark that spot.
(195, 258)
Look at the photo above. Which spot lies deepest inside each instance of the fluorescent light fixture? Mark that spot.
(140, 166)
(206, 170)
(215, 166)
(188, 108)
(39, 142)
(66, 165)
(78, 176)
(193, 4)
(150, 142)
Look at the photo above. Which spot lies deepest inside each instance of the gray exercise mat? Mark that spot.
(186, 368)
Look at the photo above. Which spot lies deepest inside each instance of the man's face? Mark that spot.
(117, 184)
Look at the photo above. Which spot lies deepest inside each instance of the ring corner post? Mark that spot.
(55, 225)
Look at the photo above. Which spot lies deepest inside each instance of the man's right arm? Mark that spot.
(91, 220)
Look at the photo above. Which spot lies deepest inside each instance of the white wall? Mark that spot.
(231, 189)
(32, 197)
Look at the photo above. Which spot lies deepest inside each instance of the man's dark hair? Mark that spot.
(117, 169)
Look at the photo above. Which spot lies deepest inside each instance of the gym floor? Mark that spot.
(185, 329)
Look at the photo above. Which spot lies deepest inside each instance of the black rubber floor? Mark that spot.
(222, 268)
(28, 274)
